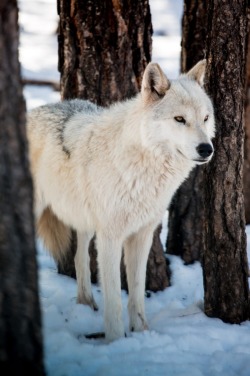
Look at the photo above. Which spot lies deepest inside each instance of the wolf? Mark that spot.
(112, 172)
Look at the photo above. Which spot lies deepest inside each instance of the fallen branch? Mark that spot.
(31, 81)
(95, 335)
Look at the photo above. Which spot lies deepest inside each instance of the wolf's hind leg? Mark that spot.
(84, 295)
(136, 250)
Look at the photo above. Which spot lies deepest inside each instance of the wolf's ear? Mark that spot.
(154, 83)
(197, 73)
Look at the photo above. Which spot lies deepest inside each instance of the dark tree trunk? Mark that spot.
(21, 350)
(186, 213)
(246, 174)
(158, 271)
(194, 31)
(225, 258)
(104, 47)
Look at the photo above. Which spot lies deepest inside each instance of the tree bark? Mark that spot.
(21, 350)
(225, 258)
(104, 47)
(194, 31)
(246, 172)
(186, 212)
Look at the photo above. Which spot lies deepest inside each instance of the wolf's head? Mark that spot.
(178, 113)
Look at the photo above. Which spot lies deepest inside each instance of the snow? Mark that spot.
(38, 49)
(166, 19)
(182, 340)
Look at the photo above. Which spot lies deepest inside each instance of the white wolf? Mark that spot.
(112, 172)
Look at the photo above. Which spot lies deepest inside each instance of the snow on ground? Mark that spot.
(181, 341)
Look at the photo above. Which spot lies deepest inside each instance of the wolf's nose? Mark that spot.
(204, 150)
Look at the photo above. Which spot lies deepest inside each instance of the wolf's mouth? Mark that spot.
(199, 160)
(202, 160)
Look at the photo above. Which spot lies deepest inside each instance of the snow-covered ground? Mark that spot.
(181, 341)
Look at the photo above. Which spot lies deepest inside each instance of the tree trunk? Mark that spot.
(246, 172)
(104, 47)
(21, 350)
(225, 258)
(186, 213)
(194, 31)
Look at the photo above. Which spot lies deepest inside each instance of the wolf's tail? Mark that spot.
(55, 235)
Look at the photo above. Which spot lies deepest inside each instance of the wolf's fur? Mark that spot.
(113, 172)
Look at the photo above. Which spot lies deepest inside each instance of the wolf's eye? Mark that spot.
(180, 119)
(206, 118)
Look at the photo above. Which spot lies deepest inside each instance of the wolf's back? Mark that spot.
(47, 123)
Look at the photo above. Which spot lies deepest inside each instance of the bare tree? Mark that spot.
(104, 47)
(225, 258)
(21, 350)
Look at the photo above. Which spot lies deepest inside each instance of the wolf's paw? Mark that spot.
(87, 300)
(138, 323)
(114, 328)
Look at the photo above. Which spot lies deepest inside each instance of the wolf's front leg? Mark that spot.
(84, 295)
(136, 251)
(109, 259)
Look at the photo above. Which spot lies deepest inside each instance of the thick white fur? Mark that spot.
(113, 172)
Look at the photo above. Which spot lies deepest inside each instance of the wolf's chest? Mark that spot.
(137, 203)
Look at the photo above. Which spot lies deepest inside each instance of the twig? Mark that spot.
(32, 81)
(95, 335)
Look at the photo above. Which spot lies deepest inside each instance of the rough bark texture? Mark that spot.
(186, 219)
(104, 47)
(246, 175)
(20, 323)
(225, 258)
(158, 271)
(186, 213)
(194, 31)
